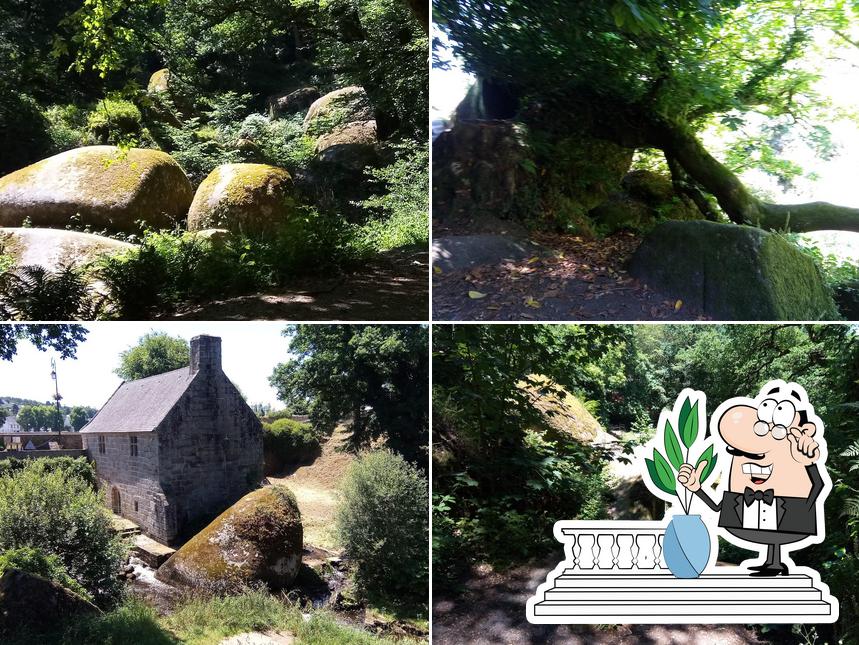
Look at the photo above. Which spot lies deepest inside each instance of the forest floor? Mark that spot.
(491, 609)
(390, 287)
(578, 279)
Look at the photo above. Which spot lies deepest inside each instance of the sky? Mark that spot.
(837, 178)
(249, 351)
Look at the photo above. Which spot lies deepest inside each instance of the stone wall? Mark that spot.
(210, 448)
(67, 440)
(134, 478)
(41, 454)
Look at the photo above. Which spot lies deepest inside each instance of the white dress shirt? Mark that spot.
(760, 515)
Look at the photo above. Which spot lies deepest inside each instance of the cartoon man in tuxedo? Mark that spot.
(774, 481)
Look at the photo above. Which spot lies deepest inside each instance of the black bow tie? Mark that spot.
(750, 496)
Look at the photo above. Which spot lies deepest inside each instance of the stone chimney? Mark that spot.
(205, 353)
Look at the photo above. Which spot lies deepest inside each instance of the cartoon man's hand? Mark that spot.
(690, 476)
(803, 447)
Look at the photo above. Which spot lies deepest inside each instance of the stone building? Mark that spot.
(175, 449)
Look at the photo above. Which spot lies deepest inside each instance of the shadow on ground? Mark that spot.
(393, 286)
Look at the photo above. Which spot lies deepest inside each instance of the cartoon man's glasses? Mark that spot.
(775, 417)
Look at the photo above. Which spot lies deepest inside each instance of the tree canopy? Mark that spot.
(154, 353)
(61, 338)
(376, 376)
(653, 74)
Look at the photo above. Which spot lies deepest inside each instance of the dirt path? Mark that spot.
(492, 611)
(579, 280)
(391, 287)
(315, 487)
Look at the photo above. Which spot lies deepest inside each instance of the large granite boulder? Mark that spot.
(505, 169)
(99, 186)
(248, 198)
(346, 105)
(647, 186)
(351, 146)
(32, 603)
(732, 272)
(53, 248)
(159, 82)
(291, 102)
(258, 539)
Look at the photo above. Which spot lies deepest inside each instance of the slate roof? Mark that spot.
(140, 406)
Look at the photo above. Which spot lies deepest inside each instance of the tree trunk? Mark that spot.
(740, 205)
(420, 8)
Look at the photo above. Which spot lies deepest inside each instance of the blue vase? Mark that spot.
(686, 546)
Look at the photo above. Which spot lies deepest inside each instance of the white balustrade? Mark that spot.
(622, 547)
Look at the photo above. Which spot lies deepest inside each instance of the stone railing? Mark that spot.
(610, 546)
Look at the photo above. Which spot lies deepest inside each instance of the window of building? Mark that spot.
(133, 446)
(101, 446)
(135, 506)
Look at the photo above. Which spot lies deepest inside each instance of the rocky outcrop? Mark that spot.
(251, 199)
(732, 272)
(258, 539)
(291, 102)
(54, 248)
(462, 252)
(351, 146)
(159, 82)
(97, 186)
(31, 603)
(504, 169)
(337, 108)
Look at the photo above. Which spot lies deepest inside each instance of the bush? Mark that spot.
(62, 515)
(290, 442)
(116, 122)
(399, 216)
(39, 563)
(78, 467)
(23, 131)
(34, 293)
(67, 127)
(383, 523)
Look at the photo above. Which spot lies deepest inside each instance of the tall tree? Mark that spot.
(154, 353)
(376, 376)
(654, 74)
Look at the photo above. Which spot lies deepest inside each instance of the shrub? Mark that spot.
(117, 122)
(62, 515)
(34, 293)
(67, 127)
(23, 131)
(399, 216)
(78, 467)
(290, 442)
(41, 564)
(383, 523)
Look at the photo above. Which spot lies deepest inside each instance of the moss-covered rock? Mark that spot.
(159, 82)
(620, 211)
(258, 539)
(352, 145)
(52, 248)
(101, 187)
(346, 105)
(246, 198)
(31, 603)
(563, 414)
(732, 272)
(647, 186)
(290, 102)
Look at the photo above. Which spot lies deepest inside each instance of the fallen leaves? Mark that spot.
(530, 302)
(476, 295)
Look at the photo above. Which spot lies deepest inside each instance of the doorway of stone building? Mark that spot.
(115, 501)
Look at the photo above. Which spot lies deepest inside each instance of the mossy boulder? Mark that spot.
(290, 102)
(647, 186)
(99, 186)
(31, 603)
(620, 211)
(351, 146)
(732, 272)
(258, 539)
(247, 198)
(53, 248)
(346, 105)
(159, 82)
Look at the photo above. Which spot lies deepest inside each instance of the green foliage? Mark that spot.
(383, 524)
(67, 127)
(62, 338)
(24, 136)
(154, 353)
(376, 375)
(402, 211)
(41, 564)
(60, 514)
(290, 442)
(35, 293)
(116, 122)
(36, 417)
(80, 416)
